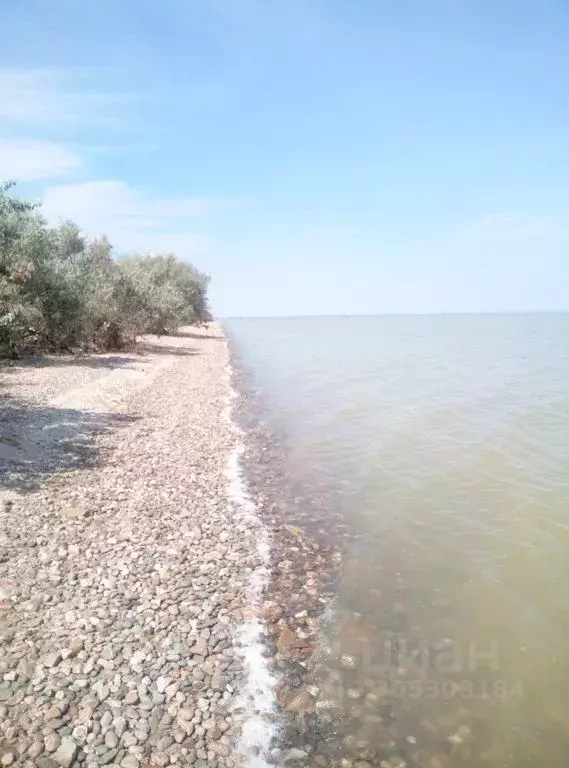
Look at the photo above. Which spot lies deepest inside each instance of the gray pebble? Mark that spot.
(65, 753)
(160, 759)
(111, 739)
(129, 740)
(131, 697)
(107, 757)
(130, 761)
(51, 742)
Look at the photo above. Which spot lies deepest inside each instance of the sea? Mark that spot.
(429, 458)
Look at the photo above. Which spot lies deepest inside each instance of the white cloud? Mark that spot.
(31, 95)
(40, 105)
(132, 219)
(75, 104)
(51, 96)
(30, 160)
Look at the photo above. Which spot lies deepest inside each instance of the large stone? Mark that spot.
(108, 756)
(221, 749)
(9, 756)
(111, 739)
(75, 512)
(295, 754)
(52, 659)
(66, 752)
(287, 640)
(161, 684)
(80, 733)
(101, 689)
(301, 702)
(130, 761)
(187, 727)
(129, 739)
(35, 749)
(119, 725)
(131, 697)
(51, 742)
(76, 644)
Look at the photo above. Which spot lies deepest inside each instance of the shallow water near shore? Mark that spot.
(431, 455)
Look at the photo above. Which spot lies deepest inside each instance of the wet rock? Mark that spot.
(287, 640)
(301, 702)
(293, 755)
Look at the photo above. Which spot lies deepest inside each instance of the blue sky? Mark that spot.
(315, 156)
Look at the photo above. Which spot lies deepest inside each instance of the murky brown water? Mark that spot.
(445, 442)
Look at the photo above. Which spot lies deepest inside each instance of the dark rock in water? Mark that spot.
(302, 701)
(286, 640)
(295, 758)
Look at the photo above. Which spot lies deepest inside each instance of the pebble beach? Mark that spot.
(131, 563)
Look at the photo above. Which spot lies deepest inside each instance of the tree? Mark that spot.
(61, 291)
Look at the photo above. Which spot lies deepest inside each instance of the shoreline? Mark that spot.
(256, 696)
(304, 563)
(130, 562)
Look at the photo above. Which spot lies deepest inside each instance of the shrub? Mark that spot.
(60, 291)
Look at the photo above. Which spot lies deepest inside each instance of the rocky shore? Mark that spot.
(126, 573)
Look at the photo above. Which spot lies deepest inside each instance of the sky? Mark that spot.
(313, 156)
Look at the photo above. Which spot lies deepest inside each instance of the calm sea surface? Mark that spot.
(445, 441)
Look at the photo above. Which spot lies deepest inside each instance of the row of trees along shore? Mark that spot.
(60, 291)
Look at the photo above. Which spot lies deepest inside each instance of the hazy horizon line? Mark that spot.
(396, 314)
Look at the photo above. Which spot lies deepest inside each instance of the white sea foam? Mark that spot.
(257, 695)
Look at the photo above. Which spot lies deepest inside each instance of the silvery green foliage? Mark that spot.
(60, 291)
